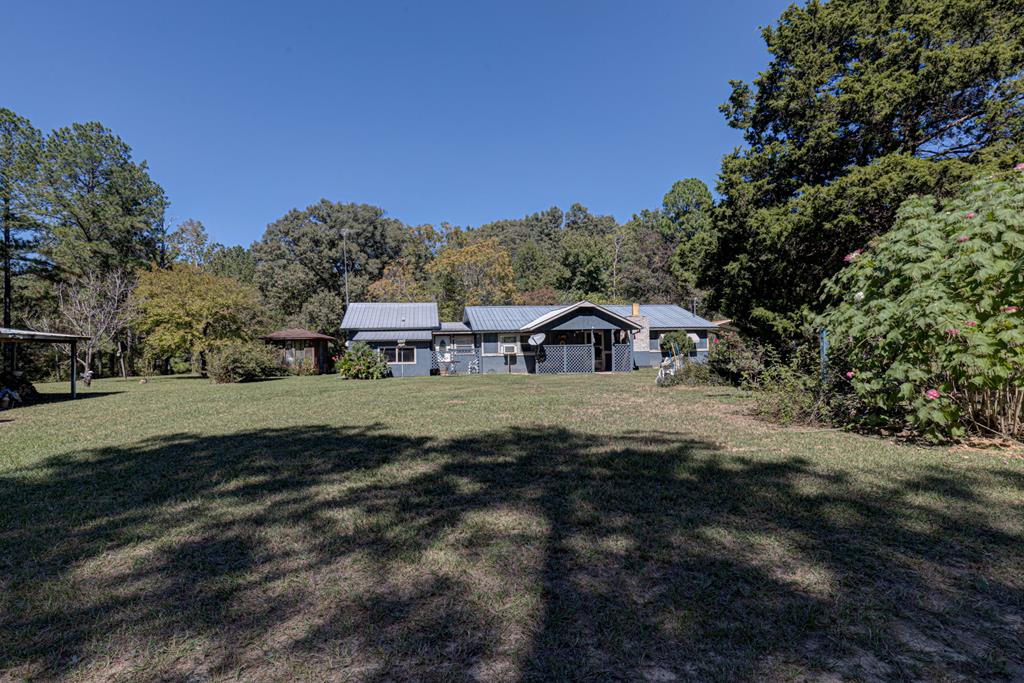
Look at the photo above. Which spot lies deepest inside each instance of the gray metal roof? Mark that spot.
(666, 316)
(11, 335)
(513, 318)
(392, 335)
(504, 318)
(391, 316)
(454, 328)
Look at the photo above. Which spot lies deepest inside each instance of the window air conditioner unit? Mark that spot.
(508, 349)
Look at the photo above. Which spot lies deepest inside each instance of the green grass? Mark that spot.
(492, 528)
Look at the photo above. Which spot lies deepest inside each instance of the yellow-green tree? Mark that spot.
(399, 283)
(476, 274)
(184, 310)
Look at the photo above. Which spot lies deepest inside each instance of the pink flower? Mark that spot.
(932, 394)
(971, 214)
(952, 332)
(850, 374)
(971, 323)
(962, 238)
(1019, 167)
(1010, 309)
(852, 255)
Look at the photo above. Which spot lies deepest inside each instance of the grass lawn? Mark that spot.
(492, 528)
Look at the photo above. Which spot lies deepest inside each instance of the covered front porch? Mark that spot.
(584, 337)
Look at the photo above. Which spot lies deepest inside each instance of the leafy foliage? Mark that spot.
(310, 251)
(105, 211)
(863, 105)
(476, 274)
(928, 317)
(735, 359)
(186, 310)
(678, 342)
(362, 362)
(20, 209)
(243, 361)
(689, 374)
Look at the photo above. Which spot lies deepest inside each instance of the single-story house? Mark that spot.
(582, 337)
(299, 348)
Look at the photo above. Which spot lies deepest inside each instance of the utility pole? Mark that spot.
(344, 261)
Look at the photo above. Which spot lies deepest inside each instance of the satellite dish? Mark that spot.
(537, 339)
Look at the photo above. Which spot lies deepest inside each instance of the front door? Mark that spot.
(599, 351)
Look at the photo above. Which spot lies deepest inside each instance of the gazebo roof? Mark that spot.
(297, 334)
(13, 336)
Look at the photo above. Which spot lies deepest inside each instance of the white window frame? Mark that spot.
(381, 350)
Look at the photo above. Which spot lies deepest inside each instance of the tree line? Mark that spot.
(861, 106)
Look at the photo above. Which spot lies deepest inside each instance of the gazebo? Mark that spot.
(301, 348)
(18, 337)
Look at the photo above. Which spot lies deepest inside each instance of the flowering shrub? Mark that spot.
(362, 362)
(238, 361)
(927, 318)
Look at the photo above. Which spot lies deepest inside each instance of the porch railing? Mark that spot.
(565, 358)
(622, 357)
(460, 361)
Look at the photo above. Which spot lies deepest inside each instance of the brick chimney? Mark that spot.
(642, 338)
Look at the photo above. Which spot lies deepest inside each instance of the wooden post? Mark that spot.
(74, 369)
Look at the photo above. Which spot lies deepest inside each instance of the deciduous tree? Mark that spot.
(862, 105)
(184, 310)
(479, 273)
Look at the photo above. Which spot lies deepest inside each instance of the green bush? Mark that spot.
(239, 361)
(790, 392)
(362, 362)
(734, 359)
(689, 374)
(930, 317)
(678, 342)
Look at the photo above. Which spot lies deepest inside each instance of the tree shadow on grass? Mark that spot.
(60, 397)
(516, 554)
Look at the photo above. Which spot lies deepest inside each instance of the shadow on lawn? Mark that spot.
(517, 554)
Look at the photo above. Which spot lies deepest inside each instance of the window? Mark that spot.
(405, 355)
(702, 342)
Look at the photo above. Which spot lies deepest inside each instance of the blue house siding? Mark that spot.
(491, 362)
(421, 368)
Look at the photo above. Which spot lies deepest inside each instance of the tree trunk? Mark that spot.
(8, 349)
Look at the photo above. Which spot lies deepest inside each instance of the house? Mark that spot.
(582, 337)
(301, 349)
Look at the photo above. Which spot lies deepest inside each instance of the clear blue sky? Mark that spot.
(459, 111)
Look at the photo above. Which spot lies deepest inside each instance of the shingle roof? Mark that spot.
(512, 318)
(391, 316)
(454, 327)
(296, 333)
(392, 335)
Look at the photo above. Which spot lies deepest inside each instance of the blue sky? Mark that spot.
(458, 111)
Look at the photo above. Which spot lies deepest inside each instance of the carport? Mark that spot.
(18, 337)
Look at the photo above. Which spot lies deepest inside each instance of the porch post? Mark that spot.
(74, 369)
